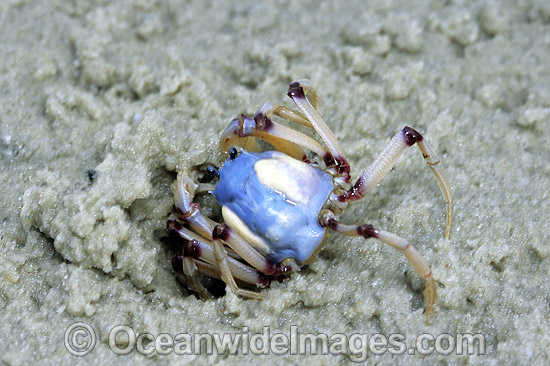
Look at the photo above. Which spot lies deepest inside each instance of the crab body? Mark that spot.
(273, 201)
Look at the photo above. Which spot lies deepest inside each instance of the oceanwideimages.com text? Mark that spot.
(123, 340)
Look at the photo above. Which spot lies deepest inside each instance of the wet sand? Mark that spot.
(102, 103)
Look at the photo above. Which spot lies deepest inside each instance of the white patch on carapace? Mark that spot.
(235, 223)
(293, 178)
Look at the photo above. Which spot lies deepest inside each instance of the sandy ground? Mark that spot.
(102, 102)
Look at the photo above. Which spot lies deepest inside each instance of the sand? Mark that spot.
(103, 102)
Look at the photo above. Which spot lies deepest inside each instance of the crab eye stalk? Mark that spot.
(232, 153)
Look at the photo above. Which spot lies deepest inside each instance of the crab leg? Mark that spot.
(212, 259)
(225, 234)
(184, 190)
(200, 251)
(205, 187)
(387, 159)
(187, 268)
(298, 91)
(282, 138)
(227, 275)
(208, 269)
(286, 113)
(413, 256)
